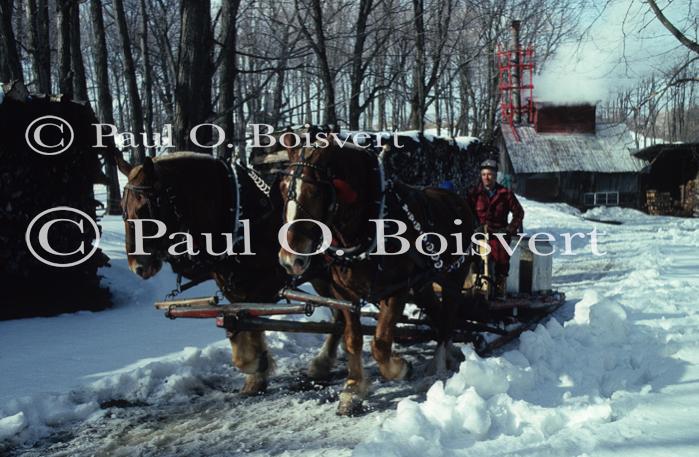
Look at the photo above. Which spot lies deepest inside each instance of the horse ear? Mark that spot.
(148, 169)
(123, 166)
(114, 155)
(345, 192)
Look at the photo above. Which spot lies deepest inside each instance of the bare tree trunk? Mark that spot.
(417, 101)
(318, 44)
(76, 56)
(38, 42)
(277, 97)
(147, 78)
(131, 84)
(227, 76)
(120, 101)
(382, 98)
(240, 127)
(65, 75)
(43, 46)
(195, 68)
(104, 102)
(307, 95)
(358, 65)
(11, 67)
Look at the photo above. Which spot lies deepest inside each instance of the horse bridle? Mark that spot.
(151, 192)
(349, 254)
(142, 190)
(322, 179)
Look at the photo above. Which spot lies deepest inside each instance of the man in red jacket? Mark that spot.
(492, 203)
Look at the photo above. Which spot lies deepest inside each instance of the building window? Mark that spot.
(601, 199)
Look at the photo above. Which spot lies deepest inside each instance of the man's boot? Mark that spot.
(501, 287)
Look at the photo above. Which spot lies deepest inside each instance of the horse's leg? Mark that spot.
(448, 357)
(356, 387)
(251, 357)
(320, 366)
(391, 366)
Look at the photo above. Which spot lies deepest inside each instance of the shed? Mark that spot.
(565, 155)
(672, 172)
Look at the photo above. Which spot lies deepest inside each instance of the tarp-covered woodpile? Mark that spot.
(31, 183)
(421, 159)
(430, 160)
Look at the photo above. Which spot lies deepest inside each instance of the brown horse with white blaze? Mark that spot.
(198, 194)
(344, 188)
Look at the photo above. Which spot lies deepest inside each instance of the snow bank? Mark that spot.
(172, 378)
(561, 379)
(617, 213)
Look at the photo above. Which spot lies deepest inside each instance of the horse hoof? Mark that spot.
(319, 369)
(350, 405)
(254, 386)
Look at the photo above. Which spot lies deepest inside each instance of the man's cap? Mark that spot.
(490, 163)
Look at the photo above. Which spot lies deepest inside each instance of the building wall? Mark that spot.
(571, 187)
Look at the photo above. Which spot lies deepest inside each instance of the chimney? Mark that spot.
(576, 118)
(515, 76)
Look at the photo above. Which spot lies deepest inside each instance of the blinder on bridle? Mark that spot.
(148, 191)
(340, 191)
(322, 179)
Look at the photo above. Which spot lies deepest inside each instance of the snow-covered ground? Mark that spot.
(615, 372)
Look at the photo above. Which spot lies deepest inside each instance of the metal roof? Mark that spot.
(652, 152)
(606, 151)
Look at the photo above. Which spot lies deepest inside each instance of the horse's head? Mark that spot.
(139, 202)
(315, 187)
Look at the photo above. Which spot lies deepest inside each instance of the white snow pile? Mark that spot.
(174, 378)
(618, 378)
(561, 378)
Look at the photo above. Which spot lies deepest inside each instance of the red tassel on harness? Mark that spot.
(345, 193)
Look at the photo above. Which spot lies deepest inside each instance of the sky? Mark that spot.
(623, 42)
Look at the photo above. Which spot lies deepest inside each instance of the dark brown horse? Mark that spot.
(344, 188)
(199, 194)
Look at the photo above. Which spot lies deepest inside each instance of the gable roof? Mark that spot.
(608, 150)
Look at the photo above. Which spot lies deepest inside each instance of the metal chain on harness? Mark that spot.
(259, 182)
(177, 290)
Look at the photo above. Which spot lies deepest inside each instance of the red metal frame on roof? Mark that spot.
(522, 62)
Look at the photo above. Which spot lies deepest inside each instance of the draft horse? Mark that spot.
(198, 194)
(344, 187)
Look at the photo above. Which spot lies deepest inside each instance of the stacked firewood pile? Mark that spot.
(31, 183)
(690, 198)
(658, 203)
